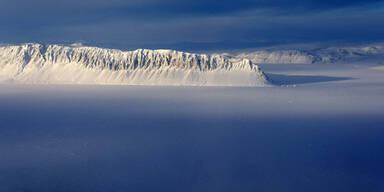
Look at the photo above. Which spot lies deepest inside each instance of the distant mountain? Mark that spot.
(76, 64)
(324, 55)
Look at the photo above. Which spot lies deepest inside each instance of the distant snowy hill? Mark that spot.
(76, 64)
(279, 56)
(324, 55)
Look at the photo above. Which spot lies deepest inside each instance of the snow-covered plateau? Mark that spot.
(370, 53)
(57, 64)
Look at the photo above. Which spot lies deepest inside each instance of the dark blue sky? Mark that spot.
(192, 24)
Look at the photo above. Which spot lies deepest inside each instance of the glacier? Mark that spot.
(34, 63)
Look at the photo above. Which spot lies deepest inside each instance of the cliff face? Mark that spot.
(35, 63)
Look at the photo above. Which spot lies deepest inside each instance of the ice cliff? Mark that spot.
(58, 64)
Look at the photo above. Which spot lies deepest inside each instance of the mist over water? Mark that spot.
(119, 138)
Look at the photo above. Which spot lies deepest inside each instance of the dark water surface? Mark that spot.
(113, 138)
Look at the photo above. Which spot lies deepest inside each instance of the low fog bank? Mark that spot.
(122, 138)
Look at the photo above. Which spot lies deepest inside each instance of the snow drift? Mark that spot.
(56, 64)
